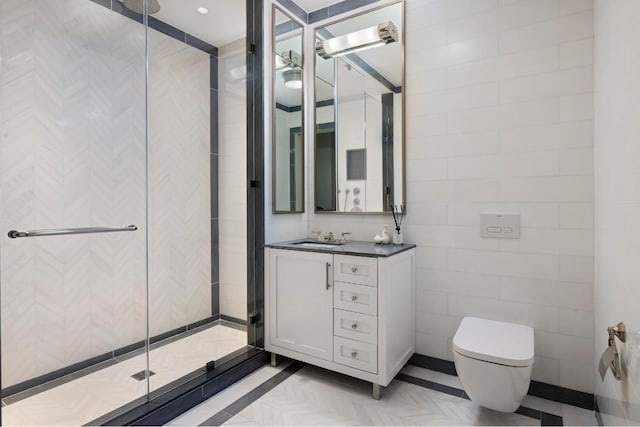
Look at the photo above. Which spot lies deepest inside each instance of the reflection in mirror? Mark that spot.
(288, 129)
(359, 147)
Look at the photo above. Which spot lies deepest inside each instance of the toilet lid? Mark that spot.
(497, 342)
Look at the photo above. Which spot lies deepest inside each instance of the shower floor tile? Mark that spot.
(86, 398)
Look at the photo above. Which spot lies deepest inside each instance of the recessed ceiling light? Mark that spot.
(203, 10)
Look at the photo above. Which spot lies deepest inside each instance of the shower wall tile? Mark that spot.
(499, 115)
(72, 155)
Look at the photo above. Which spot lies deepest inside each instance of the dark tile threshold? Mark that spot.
(174, 399)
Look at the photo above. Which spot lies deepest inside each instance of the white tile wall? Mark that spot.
(617, 200)
(500, 118)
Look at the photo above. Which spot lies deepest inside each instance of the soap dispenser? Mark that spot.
(386, 238)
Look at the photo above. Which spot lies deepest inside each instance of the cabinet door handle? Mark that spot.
(354, 297)
(354, 269)
(354, 326)
(328, 269)
(354, 354)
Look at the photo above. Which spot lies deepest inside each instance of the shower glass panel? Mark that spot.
(123, 203)
(72, 161)
(197, 190)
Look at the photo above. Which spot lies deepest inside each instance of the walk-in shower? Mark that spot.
(123, 247)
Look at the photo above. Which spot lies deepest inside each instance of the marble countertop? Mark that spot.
(368, 249)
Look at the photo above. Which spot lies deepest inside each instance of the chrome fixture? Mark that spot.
(367, 38)
(293, 78)
(616, 331)
(317, 235)
(138, 6)
(288, 59)
(14, 234)
(330, 237)
(343, 239)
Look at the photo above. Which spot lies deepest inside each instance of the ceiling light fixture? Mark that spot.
(293, 78)
(202, 10)
(367, 38)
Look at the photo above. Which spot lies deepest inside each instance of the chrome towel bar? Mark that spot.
(14, 234)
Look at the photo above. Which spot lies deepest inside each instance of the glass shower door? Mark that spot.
(72, 210)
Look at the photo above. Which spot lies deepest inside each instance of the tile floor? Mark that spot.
(85, 398)
(312, 396)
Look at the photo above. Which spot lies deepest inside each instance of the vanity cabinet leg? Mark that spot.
(377, 391)
(274, 359)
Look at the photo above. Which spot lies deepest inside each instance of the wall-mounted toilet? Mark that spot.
(494, 362)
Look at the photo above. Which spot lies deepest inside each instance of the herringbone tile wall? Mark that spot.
(72, 154)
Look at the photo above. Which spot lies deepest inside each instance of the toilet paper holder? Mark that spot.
(619, 331)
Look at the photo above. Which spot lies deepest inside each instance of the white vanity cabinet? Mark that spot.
(353, 314)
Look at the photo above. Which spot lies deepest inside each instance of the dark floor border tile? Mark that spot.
(433, 364)
(556, 393)
(162, 408)
(432, 385)
(237, 406)
(545, 418)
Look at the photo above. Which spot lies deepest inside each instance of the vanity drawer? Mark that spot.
(358, 298)
(359, 355)
(356, 269)
(356, 326)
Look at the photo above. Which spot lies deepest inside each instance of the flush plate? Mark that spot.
(500, 225)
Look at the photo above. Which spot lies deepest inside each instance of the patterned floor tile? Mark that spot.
(314, 396)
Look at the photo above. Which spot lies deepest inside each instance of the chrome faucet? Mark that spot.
(330, 237)
(317, 235)
(343, 239)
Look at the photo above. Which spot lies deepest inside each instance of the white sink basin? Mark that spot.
(318, 245)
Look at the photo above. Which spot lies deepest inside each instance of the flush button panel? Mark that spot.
(500, 225)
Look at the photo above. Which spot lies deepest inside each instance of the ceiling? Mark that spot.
(311, 5)
(225, 22)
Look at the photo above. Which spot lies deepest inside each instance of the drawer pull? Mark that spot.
(354, 297)
(354, 354)
(354, 269)
(328, 271)
(354, 326)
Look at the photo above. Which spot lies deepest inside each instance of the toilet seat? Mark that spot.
(495, 342)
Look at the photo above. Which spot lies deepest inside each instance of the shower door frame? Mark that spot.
(160, 406)
(201, 385)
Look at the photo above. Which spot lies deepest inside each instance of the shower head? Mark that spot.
(138, 6)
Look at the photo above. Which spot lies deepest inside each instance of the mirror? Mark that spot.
(288, 113)
(359, 135)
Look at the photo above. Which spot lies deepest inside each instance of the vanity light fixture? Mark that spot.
(293, 78)
(202, 10)
(367, 38)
